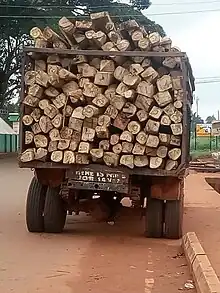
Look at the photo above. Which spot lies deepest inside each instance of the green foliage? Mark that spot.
(195, 119)
(210, 119)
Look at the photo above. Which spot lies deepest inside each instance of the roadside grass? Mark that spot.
(204, 146)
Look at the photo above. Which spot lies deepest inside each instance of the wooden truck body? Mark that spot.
(77, 182)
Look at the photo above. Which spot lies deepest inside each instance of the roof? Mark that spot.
(5, 128)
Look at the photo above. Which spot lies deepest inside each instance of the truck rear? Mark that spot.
(105, 123)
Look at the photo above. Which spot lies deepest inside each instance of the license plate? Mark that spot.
(100, 177)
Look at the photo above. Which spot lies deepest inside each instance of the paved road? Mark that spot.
(87, 257)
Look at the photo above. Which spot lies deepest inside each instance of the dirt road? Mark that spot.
(86, 258)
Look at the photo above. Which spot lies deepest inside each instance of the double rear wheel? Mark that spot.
(45, 211)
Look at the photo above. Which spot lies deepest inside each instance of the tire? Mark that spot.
(154, 218)
(54, 211)
(173, 219)
(35, 206)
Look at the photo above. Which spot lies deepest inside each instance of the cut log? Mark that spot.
(27, 120)
(152, 152)
(141, 138)
(134, 127)
(102, 132)
(82, 159)
(82, 41)
(56, 81)
(36, 33)
(41, 43)
(111, 91)
(127, 160)
(129, 25)
(53, 69)
(57, 121)
(111, 111)
(75, 124)
(175, 140)
(31, 101)
(67, 111)
(104, 144)
(121, 89)
(176, 117)
(45, 124)
(178, 104)
(162, 151)
(78, 113)
(86, 70)
(104, 120)
(60, 101)
(28, 137)
(174, 154)
(77, 96)
(66, 133)
(41, 154)
(117, 149)
(54, 38)
(150, 74)
(118, 102)
(69, 88)
(35, 90)
(89, 111)
(129, 109)
(36, 114)
(91, 90)
(165, 120)
(83, 81)
(164, 138)
(111, 159)
(131, 80)
(99, 38)
(154, 38)
(119, 73)
(100, 101)
(57, 156)
(40, 65)
(171, 165)
(169, 109)
(108, 46)
(66, 75)
(54, 134)
(137, 59)
(103, 78)
(155, 162)
(88, 134)
(102, 21)
(136, 69)
(97, 155)
(141, 161)
(142, 115)
(130, 94)
(127, 147)
(36, 128)
(163, 98)
(114, 37)
(75, 140)
(169, 62)
(107, 66)
(177, 82)
(164, 83)
(53, 59)
(63, 144)
(144, 44)
(84, 147)
(114, 139)
(126, 136)
(146, 63)
(42, 78)
(30, 77)
(152, 141)
(51, 111)
(90, 122)
(136, 35)
(27, 156)
(138, 149)
(67, 28)
(40, 141)
(123, 45)
(155, 112)
(121, 121)
(177, 129)
(145, 89)
(68, 157)
(96, 62)
(144, 103)
(51, 92)
(52, 146)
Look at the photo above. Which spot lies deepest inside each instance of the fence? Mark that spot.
(8, 143)
(204, 145)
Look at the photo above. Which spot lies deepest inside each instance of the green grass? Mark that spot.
(204, 146)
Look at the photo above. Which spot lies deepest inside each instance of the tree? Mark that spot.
(14, 31)
(210, 119)
(195, 119)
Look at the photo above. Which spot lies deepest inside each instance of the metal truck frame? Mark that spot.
(58, 188)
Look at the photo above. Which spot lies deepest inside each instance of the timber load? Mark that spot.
(111, 110)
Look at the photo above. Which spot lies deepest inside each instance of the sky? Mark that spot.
(196, 34)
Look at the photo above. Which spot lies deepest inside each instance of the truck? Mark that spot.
(89, 176)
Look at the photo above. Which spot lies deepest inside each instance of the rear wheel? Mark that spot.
(154, 218)
(54, 211)
(173, 219)
(35, 206)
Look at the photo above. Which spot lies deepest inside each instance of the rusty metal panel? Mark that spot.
(167, 188)
(88, 178)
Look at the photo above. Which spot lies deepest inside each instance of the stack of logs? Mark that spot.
(108, 110)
